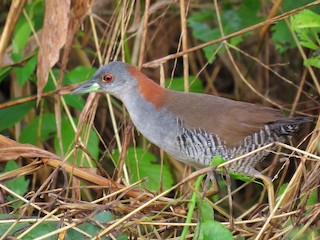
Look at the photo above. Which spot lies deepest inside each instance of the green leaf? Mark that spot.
(249, 13)
(204, 24)
(30, 132)
(209, 228)
(50, 86)
(20, 227)
(90, 227)
(217, 160)
(87, 227)
(202, 31)
(75, 101)
(313, 198)
(288, 5)
(76, 75)
(36, 10)
(24, 73)
(178, 84)
(42, 229)
(11, 115)
(306, 25)
(282, 189)
(282, 37)
(207, 213)
(68, 135)
(104, 217)
(305, 19)
(5, 226)
(21, 37)
(19, 185)
(79, 74)
(307, 234)
(242, 177)
(215, 230)
(143, 164)
(93, 229)
(315, 62)
(4, 72)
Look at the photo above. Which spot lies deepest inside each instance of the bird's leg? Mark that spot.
(228, 179)
(214, 189)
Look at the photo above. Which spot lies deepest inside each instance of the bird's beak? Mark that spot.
(90, 86)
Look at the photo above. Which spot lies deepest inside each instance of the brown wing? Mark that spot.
(231, 120)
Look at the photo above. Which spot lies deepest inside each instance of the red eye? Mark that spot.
(107, 77)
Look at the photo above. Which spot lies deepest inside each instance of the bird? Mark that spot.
(194, 127)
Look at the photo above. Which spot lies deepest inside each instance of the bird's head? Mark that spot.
(113, 78)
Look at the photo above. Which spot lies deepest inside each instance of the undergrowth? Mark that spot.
(74, 167)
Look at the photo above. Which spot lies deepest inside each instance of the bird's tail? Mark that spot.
(289, 126)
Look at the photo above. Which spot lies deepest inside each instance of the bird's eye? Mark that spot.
(107, 78)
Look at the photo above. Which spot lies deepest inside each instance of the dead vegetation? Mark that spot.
(156, 37)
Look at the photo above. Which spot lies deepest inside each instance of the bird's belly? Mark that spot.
(197, 147)
(160, 128)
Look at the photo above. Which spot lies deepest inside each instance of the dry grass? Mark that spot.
(151, 34)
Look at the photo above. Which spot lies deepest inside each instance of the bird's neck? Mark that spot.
(148, 89)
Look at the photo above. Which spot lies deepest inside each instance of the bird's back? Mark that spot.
(231, 120)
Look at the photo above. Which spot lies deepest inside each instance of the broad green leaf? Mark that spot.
(201, 30)
(288, 5)
(68, 135)
(305, 19)
(5, 226)
(19, 185)
(93, 229)
(36, 10)
(21, 37)
(249, 13)
(306, 25)
(79, 74)
(20, 227)
(42, 229)
(11, 115)
(212, 230)
(282, 37)
(207, 213)
(204, 24)
(87, 227)
(215, 231)
(143, 164)
(24, 73)
(104, 217)
(75, 101)
(30, 132)
(178, 84)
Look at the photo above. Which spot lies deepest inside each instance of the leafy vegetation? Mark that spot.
(72, 167)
